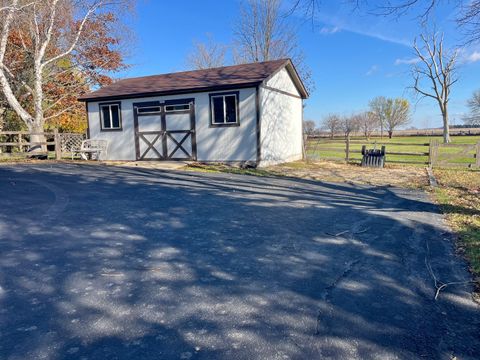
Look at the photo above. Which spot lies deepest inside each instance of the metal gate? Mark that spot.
(165, 130)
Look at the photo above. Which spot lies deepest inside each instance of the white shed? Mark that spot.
(250, 113)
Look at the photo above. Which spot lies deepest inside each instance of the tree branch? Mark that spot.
(9, 72)
(6, 88)
(63, 111)
(90, 11)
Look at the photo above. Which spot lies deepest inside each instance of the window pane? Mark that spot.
(231, 109)
(115, 116)
(147, 110)
(217, 103)
(106, 117)
(170, 108)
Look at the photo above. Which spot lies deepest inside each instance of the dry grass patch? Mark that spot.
(391, 175)
(402, 176)
(459, 197)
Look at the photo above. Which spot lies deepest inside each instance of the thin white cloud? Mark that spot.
(410, 61)
(473, 57)
(373, 69)
(329, 30)
(468, 55)
(380, 36)
(332, 21)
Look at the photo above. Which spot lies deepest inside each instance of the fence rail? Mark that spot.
(21, 143)
(467, 155)
(432, 153)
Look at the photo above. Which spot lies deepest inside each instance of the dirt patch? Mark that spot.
(391, 175)
(160, 165)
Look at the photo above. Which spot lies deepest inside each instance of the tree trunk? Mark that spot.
(347, 148)
(390, 134)
(37, 136)
(446, 128)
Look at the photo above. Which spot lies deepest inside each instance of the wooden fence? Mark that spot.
(454, 155)
(14, 143)
(423, 153)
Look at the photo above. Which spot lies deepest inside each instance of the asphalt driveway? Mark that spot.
(115, 263)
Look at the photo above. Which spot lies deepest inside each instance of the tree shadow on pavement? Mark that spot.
(107, 262)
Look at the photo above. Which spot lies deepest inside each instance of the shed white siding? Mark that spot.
(281, 117)
(121, 143)
(213, 143)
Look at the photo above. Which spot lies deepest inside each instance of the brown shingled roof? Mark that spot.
(191, 81)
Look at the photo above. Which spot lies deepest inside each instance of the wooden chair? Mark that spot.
(92, 150)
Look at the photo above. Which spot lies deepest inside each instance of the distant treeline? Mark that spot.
(465, 126)
(457, 130)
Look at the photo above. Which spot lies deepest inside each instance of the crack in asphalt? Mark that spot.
(331, 287)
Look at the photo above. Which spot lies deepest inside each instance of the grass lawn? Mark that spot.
(409, 144)
(459, 197)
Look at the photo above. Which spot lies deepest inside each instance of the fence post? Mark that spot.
(435, 152)
(477, 155)
(304, 148)
(347, 149)
(430, 154)
(58, 145)
(20, 142)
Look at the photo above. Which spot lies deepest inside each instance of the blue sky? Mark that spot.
(353, 56)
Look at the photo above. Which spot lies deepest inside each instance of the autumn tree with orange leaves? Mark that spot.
(52, 51)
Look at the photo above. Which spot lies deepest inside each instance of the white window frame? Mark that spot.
(237, 110)
(102, 123)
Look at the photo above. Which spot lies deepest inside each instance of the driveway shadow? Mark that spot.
(118, 263)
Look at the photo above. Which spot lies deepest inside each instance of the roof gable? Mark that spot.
(227, 77)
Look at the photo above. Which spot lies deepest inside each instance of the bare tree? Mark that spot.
(368, 122)
(309, 127)
(206, 55)
(51, 33)
(473, 118)
(469, 20)
(467, 11)
(263, 33)
(377, 110)
(436, 68)
(349, 125)
(332, 124)
(403, 7)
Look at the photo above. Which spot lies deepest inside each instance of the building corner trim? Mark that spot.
(88, 120)
(258, 123)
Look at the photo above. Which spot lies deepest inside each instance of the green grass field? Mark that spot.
(326, 149)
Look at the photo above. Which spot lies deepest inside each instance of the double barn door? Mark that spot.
(165, 130)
